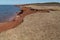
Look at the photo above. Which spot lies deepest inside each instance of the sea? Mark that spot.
(8, 12)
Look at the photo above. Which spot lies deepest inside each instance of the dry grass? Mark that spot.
(38, 26)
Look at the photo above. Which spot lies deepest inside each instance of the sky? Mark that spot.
(13, 2)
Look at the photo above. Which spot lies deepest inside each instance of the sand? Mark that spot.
(36, 26)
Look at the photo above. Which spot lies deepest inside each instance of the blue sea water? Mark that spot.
(8, 12)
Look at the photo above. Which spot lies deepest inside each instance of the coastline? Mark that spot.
(19, 18)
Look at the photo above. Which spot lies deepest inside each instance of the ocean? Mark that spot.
(8, 12)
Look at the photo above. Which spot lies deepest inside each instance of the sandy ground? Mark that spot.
(38, 26)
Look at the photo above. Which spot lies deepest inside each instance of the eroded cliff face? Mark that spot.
(40, 25)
